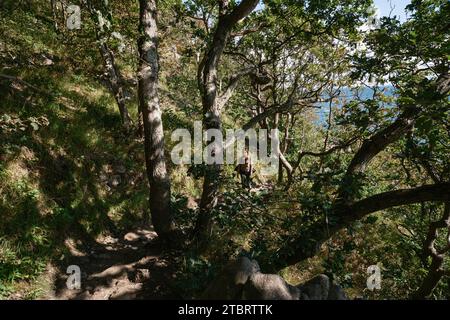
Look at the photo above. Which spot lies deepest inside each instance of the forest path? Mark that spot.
(128, 267)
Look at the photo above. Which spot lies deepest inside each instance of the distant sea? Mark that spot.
(349, 95)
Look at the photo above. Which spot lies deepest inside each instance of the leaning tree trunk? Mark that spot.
(211, 120)
(114, 82)
(213, 102)
(113, 76)
(429, 283)
(153, 128)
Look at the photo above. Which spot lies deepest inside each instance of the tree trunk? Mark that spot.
(428, 284)
(276, 122)
(436, 270)
(114, 82)
(153, 128)
(109, 63)
(212, 104)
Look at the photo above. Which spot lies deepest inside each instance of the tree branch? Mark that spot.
(241, 11)
(436, 270)
(389, 199)
(380, 140)
(232, 84)
(308, 244)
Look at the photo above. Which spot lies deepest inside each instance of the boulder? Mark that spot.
(230, 282)
(242, 279)
(336, 293)
(321, 288)
(262, 286)
(315, 289)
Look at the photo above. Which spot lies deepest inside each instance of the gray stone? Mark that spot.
(336, 293)
(321, 288)
(316, 289)
(269, 287)
(242, 279)
(230, 282)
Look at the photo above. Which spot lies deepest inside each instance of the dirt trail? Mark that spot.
(127, 267)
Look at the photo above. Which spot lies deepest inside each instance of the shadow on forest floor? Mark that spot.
(129, 267)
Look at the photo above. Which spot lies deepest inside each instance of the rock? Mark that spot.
(242, 279)
(336, 293)
(316, 289)
(230, 282)
(321, 288)
(269, 287)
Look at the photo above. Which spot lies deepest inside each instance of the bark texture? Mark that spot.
(153, 128)
(213, 101)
